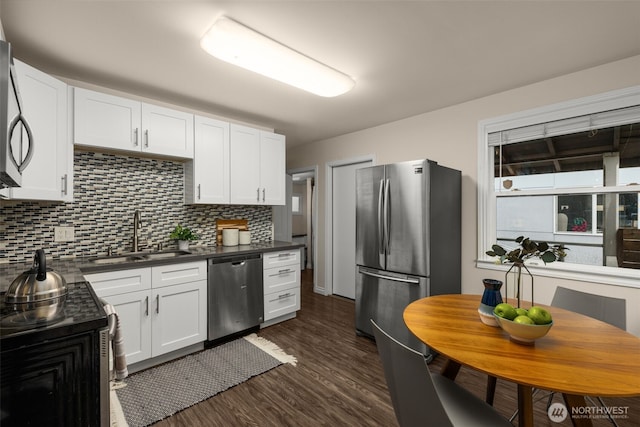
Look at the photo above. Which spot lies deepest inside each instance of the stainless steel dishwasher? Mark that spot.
(236, 300)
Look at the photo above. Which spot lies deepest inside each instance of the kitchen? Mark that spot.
(454, 126)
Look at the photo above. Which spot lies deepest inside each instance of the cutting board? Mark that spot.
(240, 224)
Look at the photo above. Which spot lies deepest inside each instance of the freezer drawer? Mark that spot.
(383, 296)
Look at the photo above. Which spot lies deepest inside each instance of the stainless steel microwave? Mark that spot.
(16, 140)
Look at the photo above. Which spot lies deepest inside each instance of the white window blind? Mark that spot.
(587, 122)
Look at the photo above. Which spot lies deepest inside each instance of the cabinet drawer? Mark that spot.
(120, 282)
(279, 259)
(280, 303)
(279, 279)
(175, 274)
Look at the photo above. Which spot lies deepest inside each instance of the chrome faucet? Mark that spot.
(136, 227)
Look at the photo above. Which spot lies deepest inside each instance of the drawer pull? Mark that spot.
(146, 311)
(283, 296)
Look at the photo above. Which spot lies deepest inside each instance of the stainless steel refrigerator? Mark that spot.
(407, 242)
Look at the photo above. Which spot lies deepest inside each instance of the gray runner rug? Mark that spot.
(156, 393)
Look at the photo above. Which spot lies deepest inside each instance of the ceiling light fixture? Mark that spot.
(239, 45)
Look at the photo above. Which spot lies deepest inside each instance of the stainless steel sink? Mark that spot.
(163, 255)
(115, 259)
(138, 256)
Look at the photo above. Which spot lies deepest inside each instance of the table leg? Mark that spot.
(573, 401)
(525, 406)
(491, 389)
(450, 370)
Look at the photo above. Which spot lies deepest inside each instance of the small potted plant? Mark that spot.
(183, 235)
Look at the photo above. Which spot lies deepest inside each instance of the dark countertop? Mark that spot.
(73, 270)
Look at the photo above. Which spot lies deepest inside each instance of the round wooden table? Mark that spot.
(580, 356)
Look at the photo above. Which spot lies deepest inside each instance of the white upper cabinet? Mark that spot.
(167, 132)
(49, 175)
(116, 123)
(272, 168)
(257, 167)
(207, 175)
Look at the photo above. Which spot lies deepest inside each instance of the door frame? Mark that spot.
(314, 219)
(328, 215)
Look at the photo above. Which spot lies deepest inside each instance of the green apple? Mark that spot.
(524, 320)
(539, 315)
(521, 311)
(505, 311)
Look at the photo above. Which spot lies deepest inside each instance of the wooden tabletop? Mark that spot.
(580, 355)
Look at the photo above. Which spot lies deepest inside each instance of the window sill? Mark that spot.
(626, 277)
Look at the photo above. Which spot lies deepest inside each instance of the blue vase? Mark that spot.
(491, 296)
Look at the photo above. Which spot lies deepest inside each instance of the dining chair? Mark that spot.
(607, 309)
(421, 398)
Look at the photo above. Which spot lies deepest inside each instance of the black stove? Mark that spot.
(79, 311)
(54, 368)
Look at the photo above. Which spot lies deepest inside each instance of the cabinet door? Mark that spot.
(134, 312)
(245, 165)
(272, 168)
(207, 176)
(106, 121)
(49, 175)
(179, 316)
(167, 132)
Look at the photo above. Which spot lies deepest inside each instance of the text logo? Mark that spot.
(557, 412)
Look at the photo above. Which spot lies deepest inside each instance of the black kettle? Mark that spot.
(37, 284)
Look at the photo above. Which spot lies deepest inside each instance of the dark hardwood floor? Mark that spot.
(338, 380)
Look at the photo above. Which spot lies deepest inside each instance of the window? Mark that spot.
(566, 174)
(297, 202)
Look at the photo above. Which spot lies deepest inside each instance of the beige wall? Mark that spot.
(449, 136)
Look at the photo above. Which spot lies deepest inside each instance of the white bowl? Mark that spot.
(522, 333)
(486, 315)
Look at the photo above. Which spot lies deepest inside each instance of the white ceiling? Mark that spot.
(407, 57)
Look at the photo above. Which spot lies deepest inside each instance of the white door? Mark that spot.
(344, 228)
(133, 310)
(167, 132)
(49, 176)
(107, 121)
(272, 168)
(244, 165)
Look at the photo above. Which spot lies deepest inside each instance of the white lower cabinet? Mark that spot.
(281, 282)
(161, 309)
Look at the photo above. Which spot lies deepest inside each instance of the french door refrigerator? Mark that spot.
(407, 242)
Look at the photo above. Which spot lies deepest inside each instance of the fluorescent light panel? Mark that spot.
(239, 45)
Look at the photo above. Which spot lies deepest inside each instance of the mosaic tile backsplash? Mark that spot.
(108, 189)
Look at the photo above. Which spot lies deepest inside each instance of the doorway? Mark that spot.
(342, 214)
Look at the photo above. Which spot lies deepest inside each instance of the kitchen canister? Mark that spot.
(245, 237)
(230, 237)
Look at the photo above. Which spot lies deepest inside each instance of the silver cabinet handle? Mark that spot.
(135, 137)
(198, 191)
(258, 194)
(283, 296)
(157, 304)
(146, 138)
(281, 272)
(146, 311)
(263, 191)
(64, 184)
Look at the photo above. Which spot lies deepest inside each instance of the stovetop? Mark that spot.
(79, 312)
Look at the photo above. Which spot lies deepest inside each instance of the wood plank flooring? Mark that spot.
(338, 380)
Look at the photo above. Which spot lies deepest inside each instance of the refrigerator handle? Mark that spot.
(395, 279)
(380, 218)
(387, 217)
